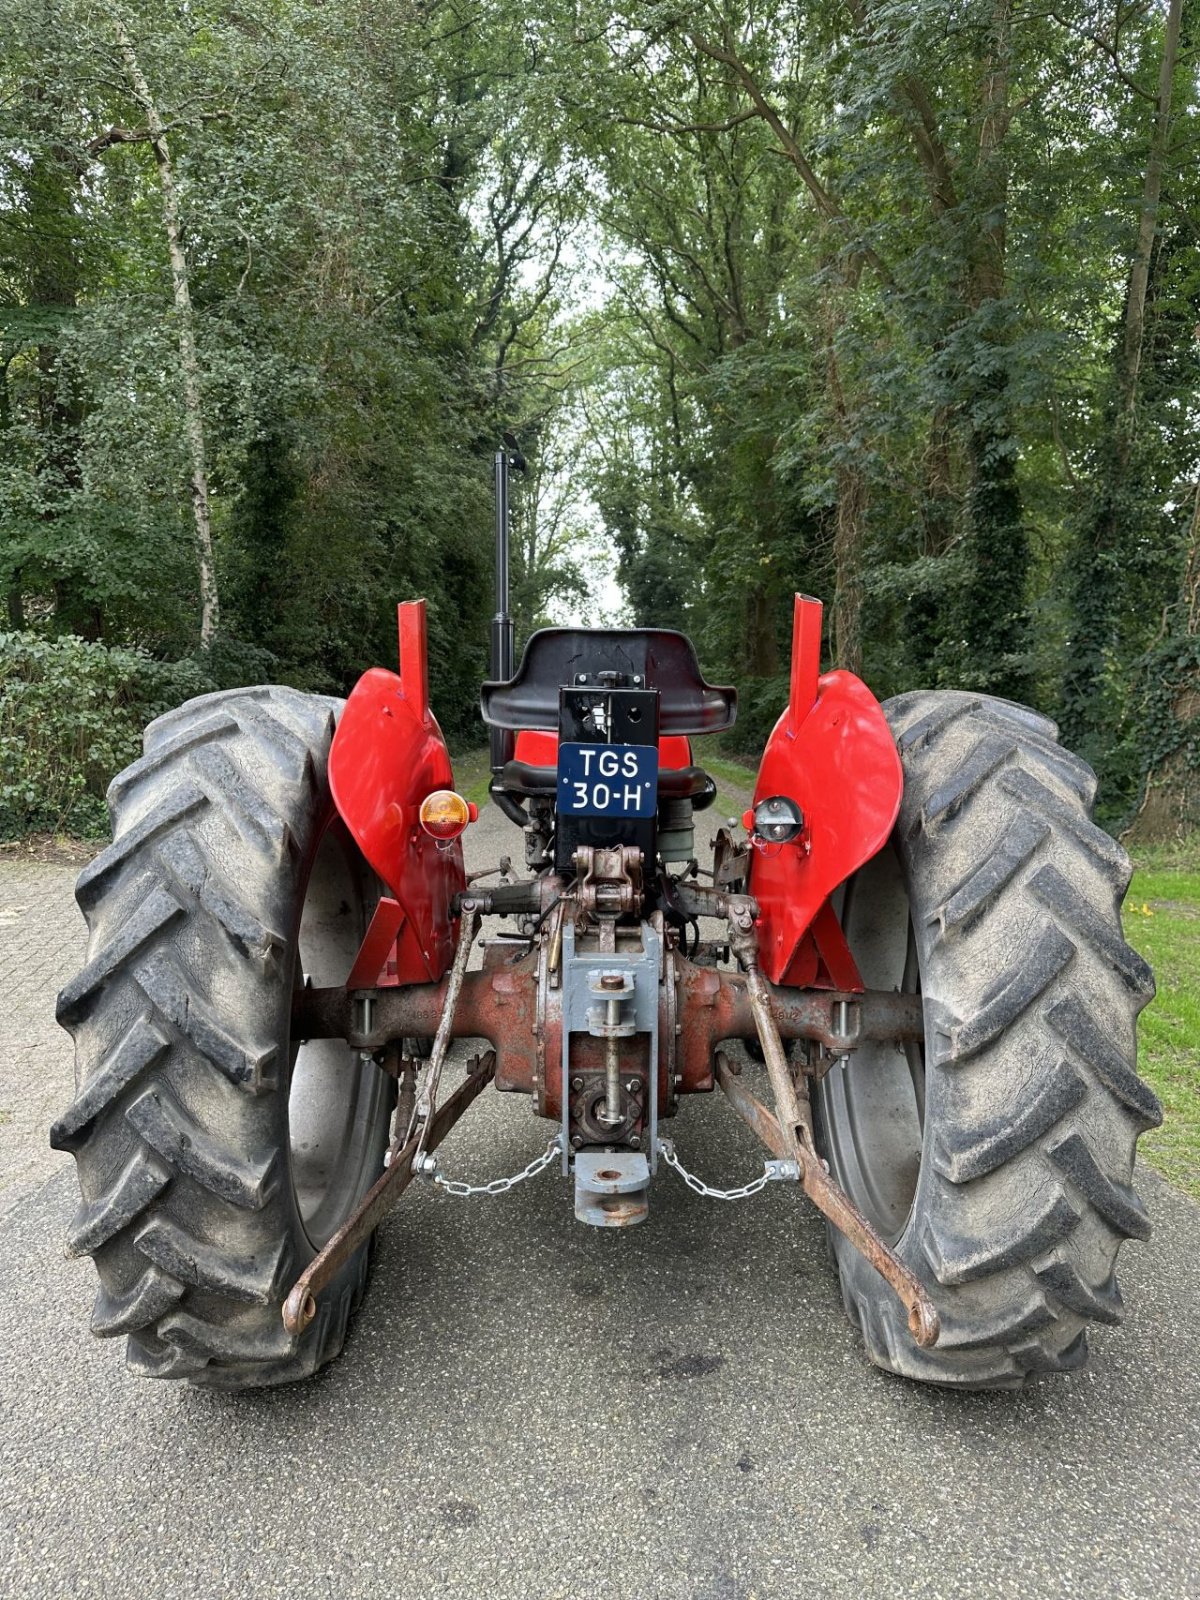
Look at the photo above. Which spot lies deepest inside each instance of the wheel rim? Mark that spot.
(336, 1103)
(872, 1110)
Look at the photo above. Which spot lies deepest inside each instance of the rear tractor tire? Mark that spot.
(215, 1154)
(997, 1159)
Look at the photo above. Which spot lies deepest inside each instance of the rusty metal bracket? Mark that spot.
(833, 1202)
(415, 1010)
(427, 1101)
(789, 1133)
(300, 1307)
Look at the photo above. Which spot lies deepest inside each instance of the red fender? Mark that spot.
(388, 754)
(833, 753)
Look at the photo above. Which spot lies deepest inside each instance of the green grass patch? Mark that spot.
(735, 783)
(1162, 922)
(472, 774)
(735, 773)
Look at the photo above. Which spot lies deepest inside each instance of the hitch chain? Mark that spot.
(429, 1169)
(773, 1172)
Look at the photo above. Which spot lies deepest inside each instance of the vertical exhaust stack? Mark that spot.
(502, 640)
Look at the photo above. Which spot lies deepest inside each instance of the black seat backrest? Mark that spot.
(663, 659)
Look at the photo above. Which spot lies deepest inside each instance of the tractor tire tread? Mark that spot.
(174, 1126)
(963, 1151)
(1025, 1192)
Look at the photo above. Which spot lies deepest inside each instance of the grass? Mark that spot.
(735, 783)
(1162, 922)
(472, 774)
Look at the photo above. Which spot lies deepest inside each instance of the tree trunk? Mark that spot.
(1170, 804)
(851, 513)
(995, 619)
(1095, 600)
(1139, 268)
(847, 554)
(14, 594)
(52, 184)
(763, 659)
(925, 617)
(1191, 573)
(185, 318)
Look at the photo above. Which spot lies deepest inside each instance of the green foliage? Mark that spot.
(1171, 671)
(71, 716)
(871, 267)
(760, 703)
(371, 217)
(1156, 756)
(775, 297)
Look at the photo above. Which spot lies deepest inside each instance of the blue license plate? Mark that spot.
(608, 780)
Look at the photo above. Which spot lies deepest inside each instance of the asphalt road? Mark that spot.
(528, 1408)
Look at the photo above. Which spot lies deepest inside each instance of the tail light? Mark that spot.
(776, 819)
(445, 814)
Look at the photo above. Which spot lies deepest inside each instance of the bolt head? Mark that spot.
(576, 1141)
(612, 980)
(633, 1086)
(577, 1083)
(635, 1142)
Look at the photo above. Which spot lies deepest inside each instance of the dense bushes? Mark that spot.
(71, 716)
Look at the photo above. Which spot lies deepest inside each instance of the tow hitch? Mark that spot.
(611, 995)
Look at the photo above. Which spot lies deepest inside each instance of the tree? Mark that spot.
(155, 135)
(1122, 486)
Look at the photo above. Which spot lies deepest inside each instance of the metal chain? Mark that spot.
(498, 1185)
(773, 1172)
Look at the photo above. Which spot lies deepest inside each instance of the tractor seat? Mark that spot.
(664, 660)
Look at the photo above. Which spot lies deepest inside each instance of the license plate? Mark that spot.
(608, 780)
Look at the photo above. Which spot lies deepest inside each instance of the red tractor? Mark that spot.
(906, 972)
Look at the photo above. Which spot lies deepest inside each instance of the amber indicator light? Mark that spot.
(445, 814)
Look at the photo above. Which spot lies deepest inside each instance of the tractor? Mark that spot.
(903, 968)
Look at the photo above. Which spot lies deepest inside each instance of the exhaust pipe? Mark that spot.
(502, 740)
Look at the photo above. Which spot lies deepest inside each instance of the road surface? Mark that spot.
(528, 1408)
